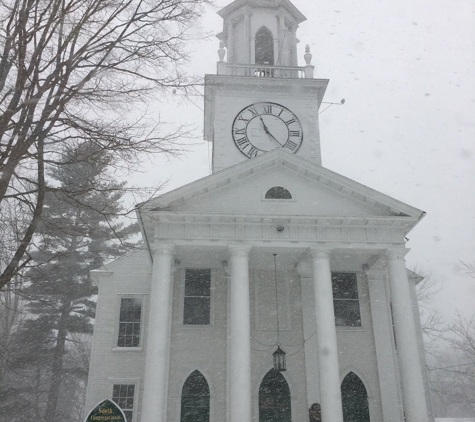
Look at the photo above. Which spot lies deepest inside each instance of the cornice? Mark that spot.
(223, 227)
(232, 9)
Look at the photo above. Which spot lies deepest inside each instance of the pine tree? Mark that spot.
(81, 229)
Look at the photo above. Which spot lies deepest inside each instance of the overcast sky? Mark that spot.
(406, 70)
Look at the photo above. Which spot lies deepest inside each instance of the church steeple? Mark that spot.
(260, 98)
(261, 32)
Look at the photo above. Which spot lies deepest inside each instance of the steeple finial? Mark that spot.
(221, 51)
(308, 56)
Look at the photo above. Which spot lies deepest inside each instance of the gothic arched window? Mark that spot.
(264, 47)
(274, 398)
(195, 399)
(278, 192)
(354, 399)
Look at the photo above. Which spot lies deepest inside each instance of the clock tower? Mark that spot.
(260, 99)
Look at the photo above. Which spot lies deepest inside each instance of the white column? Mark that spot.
(386, 358)
(415, 404)
(240, 342)
(305, 271)
(328, 367)
(247, 32)
(154, 408)
(231, 42)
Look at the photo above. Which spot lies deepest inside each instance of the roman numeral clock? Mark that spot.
(264, 126)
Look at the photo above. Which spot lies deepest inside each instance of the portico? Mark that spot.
(315, 262)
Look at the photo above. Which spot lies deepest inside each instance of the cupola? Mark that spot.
(261, 32)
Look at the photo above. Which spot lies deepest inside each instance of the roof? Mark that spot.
(272, 4)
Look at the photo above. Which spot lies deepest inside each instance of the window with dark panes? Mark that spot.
(197, 304)
(264, 47)
(129, 322)
(123, 396)
(278, 192)
(345, 300)
(274, 398)
(195, 398)
(354, 398)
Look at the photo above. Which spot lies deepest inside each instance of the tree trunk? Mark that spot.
(57, 368)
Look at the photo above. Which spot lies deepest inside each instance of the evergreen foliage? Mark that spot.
(80, 230)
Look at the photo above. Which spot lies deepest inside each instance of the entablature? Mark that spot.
(278, 228)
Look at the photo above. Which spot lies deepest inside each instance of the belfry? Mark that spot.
(273, 290)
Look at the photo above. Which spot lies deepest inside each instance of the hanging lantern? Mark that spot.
(279, 360)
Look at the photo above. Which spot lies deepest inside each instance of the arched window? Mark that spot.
(195, 399)
(354, 399)
(274, 398)
(264, 47)
(278, 192)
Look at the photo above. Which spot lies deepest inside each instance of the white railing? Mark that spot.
(261, 71)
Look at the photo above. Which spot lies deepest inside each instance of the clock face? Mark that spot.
(262, 127)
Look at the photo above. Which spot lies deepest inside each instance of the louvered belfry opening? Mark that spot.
(264, 47)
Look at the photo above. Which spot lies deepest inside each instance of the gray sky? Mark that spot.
(406, 70)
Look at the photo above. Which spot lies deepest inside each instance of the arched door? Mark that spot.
(354, 399)
(195, 399)
(264, 47)
(274, 398)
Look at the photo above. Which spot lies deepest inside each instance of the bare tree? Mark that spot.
(453, 370)
(431, 321)
(468, 267)
(77, 70)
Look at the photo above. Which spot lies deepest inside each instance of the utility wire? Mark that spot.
(276, 299)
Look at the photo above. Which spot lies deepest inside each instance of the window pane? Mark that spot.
(264, 47)
(274, 398)
(195, 399)
(198, 282)
(197, 297)
(278, 192)
(129, 322)
(123, 395)
(345, 286)
(347, 313)
(354, 399)
(197, 311)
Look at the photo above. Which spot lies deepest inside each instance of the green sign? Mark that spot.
(106, 411)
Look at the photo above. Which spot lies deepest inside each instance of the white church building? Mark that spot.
(273, 290)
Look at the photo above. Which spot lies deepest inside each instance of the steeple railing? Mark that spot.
(265, 71)
(262, 71)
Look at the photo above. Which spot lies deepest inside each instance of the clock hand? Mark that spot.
(267, 131)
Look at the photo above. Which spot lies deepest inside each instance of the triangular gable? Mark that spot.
(316, 191)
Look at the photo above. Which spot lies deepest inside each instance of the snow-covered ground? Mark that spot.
(454, 419)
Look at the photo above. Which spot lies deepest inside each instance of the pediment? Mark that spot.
(315, 191)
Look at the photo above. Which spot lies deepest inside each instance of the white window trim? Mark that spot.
(182, 299)
(128, 381)
(116, 348)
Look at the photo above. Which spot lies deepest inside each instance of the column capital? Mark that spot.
(162, 249)
(320, 253)
(239, 250)
(396, 254)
